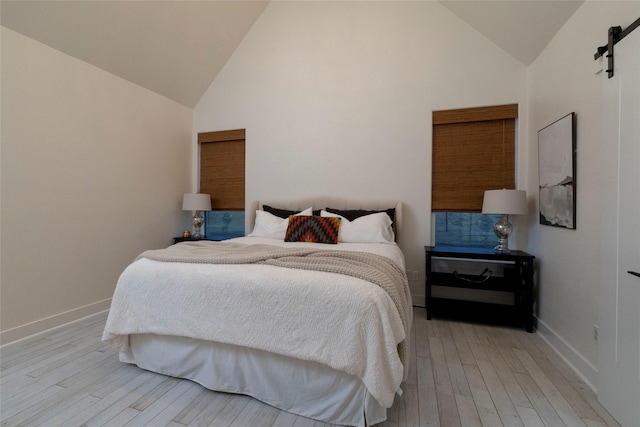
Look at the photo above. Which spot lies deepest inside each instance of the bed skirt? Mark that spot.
(300, 387)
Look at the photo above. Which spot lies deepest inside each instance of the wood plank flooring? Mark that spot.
(461, 374)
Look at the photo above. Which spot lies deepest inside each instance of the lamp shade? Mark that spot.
(509, 202)
(196, 202)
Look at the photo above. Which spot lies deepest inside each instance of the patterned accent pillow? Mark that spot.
(314, 229)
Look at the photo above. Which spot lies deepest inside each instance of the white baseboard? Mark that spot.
(582, 367)
(419, 300)
(51, 322)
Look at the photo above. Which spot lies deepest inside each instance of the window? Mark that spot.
(467, 229)
(222, 225)
(473, 151)
(222, 170)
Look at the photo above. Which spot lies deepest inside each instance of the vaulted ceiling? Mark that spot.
(176, 48)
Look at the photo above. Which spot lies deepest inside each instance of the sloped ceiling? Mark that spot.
(176, 48)
(523, 28)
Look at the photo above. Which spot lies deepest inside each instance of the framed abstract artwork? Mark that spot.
(557, 173)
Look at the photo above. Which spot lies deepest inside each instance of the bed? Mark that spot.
(315, 329)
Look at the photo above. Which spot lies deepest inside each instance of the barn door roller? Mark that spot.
(615, 34)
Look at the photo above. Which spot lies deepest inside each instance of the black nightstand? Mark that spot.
(517, 279)
(187, 239)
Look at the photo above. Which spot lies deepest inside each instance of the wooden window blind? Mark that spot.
(222, 158)
(473, 151)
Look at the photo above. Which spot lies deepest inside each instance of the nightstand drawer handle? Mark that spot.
(635, 273)
(480, 279)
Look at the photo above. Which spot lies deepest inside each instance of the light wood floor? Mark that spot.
(461, 374)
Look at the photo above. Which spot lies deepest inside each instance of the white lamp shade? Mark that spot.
(196, 202)
(509, 202)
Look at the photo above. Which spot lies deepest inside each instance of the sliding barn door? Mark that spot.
(619, 307)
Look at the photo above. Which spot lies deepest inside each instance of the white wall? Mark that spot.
(560, 81)
(93, 171)
(336, 98)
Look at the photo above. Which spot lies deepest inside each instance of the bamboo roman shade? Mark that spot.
(473, 151)
(222, 157)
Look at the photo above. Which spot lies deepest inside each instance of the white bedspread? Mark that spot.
(344, 322)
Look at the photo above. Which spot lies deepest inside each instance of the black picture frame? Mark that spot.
(557, 173)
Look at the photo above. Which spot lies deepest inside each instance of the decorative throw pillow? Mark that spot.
(372, 228)
(286, 213)
(352, 214)
(281, 213)
(313, 229)
(270, 226)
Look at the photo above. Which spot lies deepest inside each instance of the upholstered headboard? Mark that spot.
(331, 202)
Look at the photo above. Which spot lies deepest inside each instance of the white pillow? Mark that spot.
(273, 227)
(373, 228)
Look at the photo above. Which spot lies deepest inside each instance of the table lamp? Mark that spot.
(196, 202)
(505, 203)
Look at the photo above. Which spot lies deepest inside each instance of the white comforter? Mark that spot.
(344, 322)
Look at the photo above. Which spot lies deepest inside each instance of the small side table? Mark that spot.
(187, 239)
(520, 283)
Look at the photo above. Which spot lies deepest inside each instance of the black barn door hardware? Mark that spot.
(615, 34)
